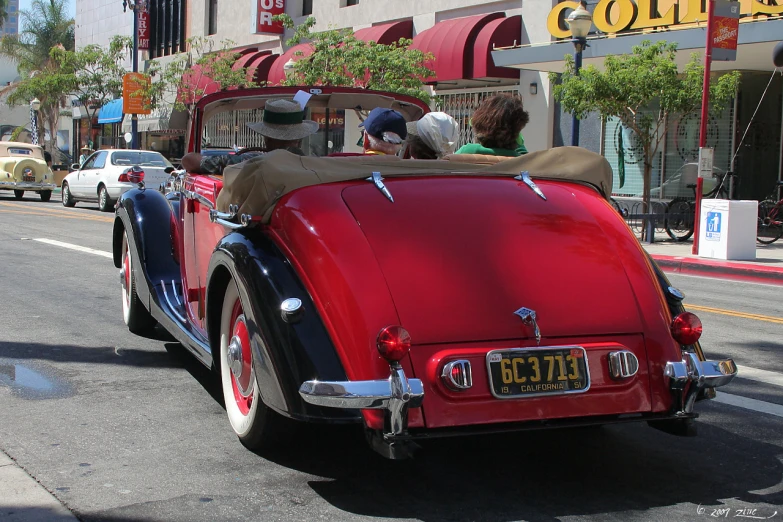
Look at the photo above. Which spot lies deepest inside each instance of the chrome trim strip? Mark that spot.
(233, 210)
(524, 176)
(693, 375)
(535, 349)
(176, 294)
(377, 180)
(168, 301)
(27, 185)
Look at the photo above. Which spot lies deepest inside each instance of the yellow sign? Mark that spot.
(615, 16)
(133, 103)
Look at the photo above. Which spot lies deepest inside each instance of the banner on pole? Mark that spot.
(132, 103)
(144, 28)
(725, 29)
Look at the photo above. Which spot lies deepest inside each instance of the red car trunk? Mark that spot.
(461, 255)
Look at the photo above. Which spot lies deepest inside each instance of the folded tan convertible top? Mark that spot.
(258, 183)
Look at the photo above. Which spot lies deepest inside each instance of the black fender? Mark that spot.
(287, 353)
(146, 215)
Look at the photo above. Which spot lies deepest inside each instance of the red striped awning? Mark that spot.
(386, 34)
(260, 67)
(277, 71)
(452, 43)
(502, 32)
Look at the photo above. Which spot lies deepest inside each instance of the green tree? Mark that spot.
(92, 74)
(45, 26)
(642, 90)
(184, 80)
(339, 58)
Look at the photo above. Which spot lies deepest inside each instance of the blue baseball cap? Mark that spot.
(384, 120)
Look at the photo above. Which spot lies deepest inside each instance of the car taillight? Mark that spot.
(393, 343)
(686, 328)
(132, 175)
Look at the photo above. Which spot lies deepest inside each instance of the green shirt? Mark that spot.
(475, 148)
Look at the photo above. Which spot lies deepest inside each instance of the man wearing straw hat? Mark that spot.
(86, 151)
(283, 127)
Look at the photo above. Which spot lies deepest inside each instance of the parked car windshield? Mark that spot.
(142, 159)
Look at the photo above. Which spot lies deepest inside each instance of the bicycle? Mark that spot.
(681, 212)
(770, 221)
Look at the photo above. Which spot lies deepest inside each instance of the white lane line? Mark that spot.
(765, 376)
(75, 247)
(749, 404)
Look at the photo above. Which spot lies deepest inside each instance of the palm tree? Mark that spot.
(45, 26)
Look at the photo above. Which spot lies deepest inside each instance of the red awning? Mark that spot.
(199, 83)
(277, 72)
(258, 69)
(245, 59)
(386, 34)
(452, 43)
(503, 32)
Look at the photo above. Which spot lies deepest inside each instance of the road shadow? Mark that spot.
(543, 475)
(91, 355)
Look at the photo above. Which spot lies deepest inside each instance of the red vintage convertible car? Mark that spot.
(415, 298)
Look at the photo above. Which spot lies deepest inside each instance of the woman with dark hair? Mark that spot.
(497, 124)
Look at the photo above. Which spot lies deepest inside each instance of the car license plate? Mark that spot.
(530, 372)
(28, 178)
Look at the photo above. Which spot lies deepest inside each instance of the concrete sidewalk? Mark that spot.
(23, 499)
(677, 258)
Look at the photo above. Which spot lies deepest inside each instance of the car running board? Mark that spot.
(179, 309)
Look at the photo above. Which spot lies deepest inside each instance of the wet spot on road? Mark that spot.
(205, 499)
(30, 383)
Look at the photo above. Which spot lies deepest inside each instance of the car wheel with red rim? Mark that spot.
(256, 425)
(135, 315)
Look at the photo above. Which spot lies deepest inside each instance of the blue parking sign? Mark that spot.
(713, 226)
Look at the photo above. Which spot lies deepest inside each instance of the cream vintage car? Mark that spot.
(23, 169)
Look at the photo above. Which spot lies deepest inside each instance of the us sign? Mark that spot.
(725, 29)
(144, 30)
(263, 11)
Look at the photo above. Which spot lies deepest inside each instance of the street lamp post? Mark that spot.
(579, 21)
(35, 105)
(135, 6)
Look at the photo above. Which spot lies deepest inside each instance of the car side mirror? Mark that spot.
(75, 166)
(168, 170)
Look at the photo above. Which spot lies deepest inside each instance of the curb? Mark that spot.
(721, 269)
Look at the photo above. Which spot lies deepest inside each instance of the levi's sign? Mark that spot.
(263, 11)
(617, 16)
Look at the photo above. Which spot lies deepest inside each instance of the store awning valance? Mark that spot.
(277, 70)
(452, 43)
(162, 120)
(386, 34)
(502, 32)
(111, 112)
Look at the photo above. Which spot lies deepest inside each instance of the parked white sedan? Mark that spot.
(104, 176)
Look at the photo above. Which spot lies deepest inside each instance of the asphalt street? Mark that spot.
(126, 428)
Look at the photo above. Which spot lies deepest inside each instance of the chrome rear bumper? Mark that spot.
(26, 185)
(395, 395)
(689, 376)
